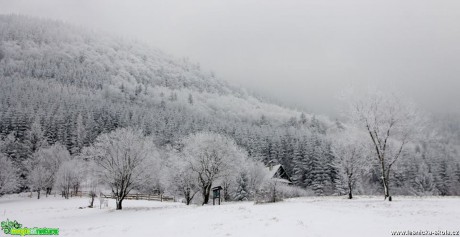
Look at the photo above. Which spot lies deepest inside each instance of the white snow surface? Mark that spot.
(311, 216)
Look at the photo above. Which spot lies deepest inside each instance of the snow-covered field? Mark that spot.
(329, 216)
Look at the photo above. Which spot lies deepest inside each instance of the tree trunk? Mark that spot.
(350, 186)
(91, 203)
(386, 188)
(67, 192)
(206, 192)
(385, 180)
(119, 201)
(274, 193)
(350, 191)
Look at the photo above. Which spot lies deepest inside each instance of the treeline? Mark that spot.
(36, 115)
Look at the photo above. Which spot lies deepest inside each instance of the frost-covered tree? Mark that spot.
(258, 174)
(39, 178)
(443, 178)
(424, 183)
(390, 123)
(9, 178)
(183, 180)
(125, 158)
(242, 192)
(92, 181)
(320, 179)
(211, 156)
(35, 136)
(78, 135)
(351, 152)
(44, 165)
(69, 177)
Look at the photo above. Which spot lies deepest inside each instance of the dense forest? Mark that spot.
(60, 84)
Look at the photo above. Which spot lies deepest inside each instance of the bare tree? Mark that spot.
(391, 123)
(124, 157)
(211, 156)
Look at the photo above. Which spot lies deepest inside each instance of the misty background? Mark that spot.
(302, 53)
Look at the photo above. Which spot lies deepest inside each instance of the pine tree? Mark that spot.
(35, 136)
(78, 135)
(300, 165)
(242, 190)
(457, 173)
(443, 180)
(332, 169)
(319, 173)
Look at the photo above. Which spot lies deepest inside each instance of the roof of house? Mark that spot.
(273, 173)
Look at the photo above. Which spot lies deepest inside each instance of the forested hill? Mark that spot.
(60, 84)
(52, 50)
(65, 84)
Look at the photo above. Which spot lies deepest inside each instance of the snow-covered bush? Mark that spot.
(274, 190)
(270, 191)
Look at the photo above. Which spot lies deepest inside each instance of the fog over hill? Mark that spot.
(303, 52)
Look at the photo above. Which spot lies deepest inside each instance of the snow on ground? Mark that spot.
(314, 216)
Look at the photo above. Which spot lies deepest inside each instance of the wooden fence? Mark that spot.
(140, 196)
(79, 194)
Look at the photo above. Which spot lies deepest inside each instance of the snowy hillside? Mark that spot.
(52, 51)
(51, 71)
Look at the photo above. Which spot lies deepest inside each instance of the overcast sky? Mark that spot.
(300, 52)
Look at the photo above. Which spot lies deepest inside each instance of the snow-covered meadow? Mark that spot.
(312, 216)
